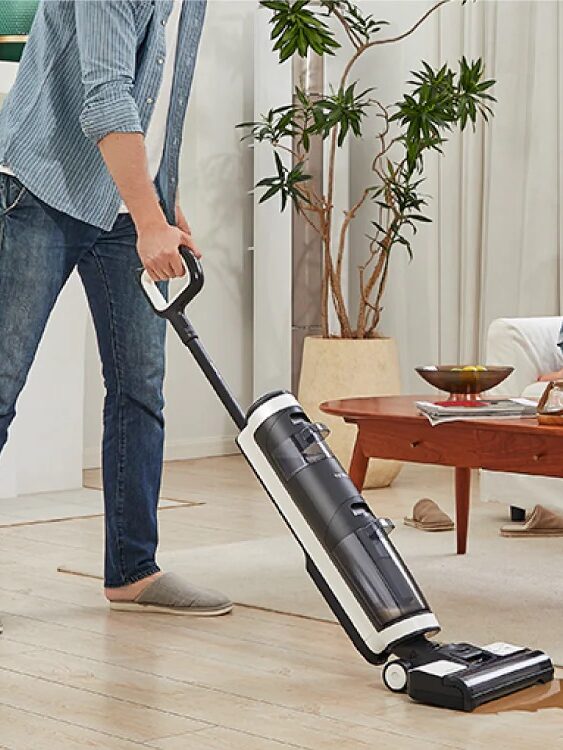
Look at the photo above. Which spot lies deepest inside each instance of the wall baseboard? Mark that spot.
(179, 450)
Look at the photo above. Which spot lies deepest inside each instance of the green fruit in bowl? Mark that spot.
(470, 368)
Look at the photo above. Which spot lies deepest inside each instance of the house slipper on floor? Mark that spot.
(427, 516)
(170, 594)
(540, 522)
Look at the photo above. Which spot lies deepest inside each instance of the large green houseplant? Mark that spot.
(437, 102)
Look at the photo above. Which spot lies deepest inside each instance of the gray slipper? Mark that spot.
(170, 594)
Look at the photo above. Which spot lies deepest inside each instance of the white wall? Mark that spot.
(272, 231)
(215, 177)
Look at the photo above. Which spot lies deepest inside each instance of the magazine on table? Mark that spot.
(438, 412)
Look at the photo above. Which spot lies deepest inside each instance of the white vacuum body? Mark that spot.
(348, 553)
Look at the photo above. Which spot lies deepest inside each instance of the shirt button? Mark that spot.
(160, 61)
(150, 100)
(163, 22)
(172, 180)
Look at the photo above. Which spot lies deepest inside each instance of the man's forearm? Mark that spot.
(157, 240)
(126, 159)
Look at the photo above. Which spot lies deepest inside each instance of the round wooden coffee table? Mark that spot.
(391, 427)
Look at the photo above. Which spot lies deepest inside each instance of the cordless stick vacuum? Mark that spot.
(347, 550)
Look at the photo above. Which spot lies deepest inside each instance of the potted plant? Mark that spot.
(355, 359)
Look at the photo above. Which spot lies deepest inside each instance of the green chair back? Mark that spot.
(16, 17)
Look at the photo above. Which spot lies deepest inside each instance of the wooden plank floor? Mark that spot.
(74, 675)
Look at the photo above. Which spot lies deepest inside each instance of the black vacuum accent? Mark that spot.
(462, 676)
(347, 549)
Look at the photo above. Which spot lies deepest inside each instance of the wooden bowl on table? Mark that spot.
(464, 382)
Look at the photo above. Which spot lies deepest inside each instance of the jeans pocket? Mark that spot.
(11, 193)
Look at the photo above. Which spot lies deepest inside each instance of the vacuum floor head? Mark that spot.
(462, 676)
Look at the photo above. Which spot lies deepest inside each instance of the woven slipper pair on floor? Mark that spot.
(540, 522)
(427, 516)
(170, 594)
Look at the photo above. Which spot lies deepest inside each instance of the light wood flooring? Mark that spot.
(75, 675)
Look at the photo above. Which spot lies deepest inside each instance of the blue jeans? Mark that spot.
(39, 247)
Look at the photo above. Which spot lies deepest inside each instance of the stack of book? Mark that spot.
(439, 412)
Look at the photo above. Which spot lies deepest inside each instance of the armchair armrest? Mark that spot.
(529, 345)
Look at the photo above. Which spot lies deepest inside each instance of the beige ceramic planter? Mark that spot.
(341, 368)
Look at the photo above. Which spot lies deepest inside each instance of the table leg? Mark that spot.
(462, 495)
(358, 464)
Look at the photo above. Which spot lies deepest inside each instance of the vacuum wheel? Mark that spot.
(395, 675)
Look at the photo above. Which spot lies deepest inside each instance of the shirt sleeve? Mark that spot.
(107, 43)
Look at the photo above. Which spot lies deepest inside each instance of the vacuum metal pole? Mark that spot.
(190, 338)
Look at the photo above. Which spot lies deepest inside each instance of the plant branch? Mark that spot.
(382, 136)
(335, 280)
(413, 28)
(357, 43)
(310, 222)
(373, 253)
(382, 285)
(365, 292)
(348, 217)
(389, 40)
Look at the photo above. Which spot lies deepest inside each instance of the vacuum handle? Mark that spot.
(193, 285)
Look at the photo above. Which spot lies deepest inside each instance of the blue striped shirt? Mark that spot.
(91, 68)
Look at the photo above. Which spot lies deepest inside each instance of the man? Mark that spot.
(89, 145)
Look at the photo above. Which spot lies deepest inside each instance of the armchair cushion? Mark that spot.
(531, 346)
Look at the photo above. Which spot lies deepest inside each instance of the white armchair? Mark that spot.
(530, 345)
